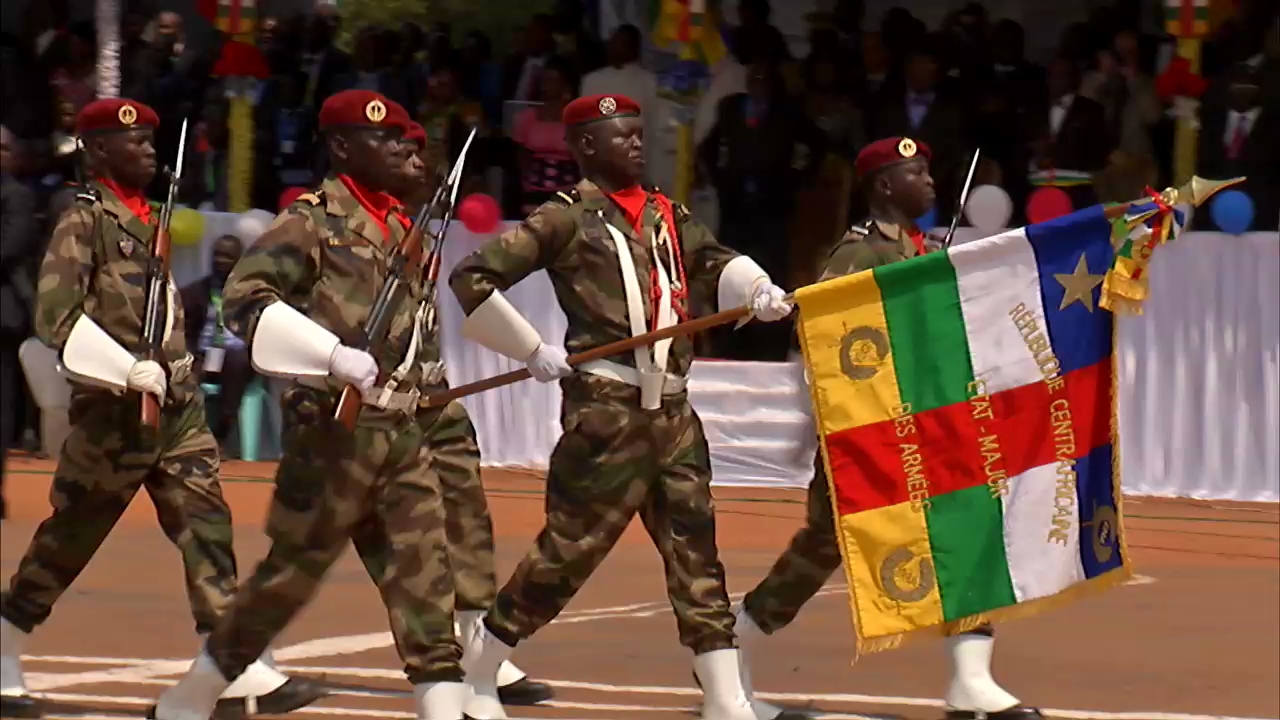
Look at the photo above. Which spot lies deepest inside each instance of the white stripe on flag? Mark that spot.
(1043, 558)
(993, 276)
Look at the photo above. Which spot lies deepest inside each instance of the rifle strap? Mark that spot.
(410, 355)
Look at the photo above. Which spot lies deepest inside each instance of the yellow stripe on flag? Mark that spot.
(890, 569)
(846, 339)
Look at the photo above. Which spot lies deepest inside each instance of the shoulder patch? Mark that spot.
(570, 198)
(88, 196)
(680, 211)
(312, 199)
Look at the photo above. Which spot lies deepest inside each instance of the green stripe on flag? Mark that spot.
(926, 331)
(966, 538)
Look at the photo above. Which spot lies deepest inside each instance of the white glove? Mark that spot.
(147, 376)
(353, 366)
(547, 363)
(769, 303)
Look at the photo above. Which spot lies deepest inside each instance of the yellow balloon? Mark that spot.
(186, 227)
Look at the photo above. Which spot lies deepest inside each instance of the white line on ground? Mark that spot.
(847, 698)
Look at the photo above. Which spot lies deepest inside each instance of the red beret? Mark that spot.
(416, 134)
(114, 115)
(599, 107)
(355, 108)
(888, 151)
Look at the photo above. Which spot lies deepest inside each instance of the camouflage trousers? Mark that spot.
(377, 487)
(615, 460)
(455, 457)
(805, 566)
(106, 457)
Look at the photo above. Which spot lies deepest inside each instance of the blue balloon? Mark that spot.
(929, 220)
(1232, 212)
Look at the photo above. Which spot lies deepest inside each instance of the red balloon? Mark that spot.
(289, 195)
(1048, 203)
(479, 213)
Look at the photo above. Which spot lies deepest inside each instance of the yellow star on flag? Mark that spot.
(1078, 285)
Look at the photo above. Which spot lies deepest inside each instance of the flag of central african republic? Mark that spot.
(965, 404)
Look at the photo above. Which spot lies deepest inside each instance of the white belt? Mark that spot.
(671, 384)
(379, 397)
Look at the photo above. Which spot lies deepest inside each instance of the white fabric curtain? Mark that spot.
(1199, 378)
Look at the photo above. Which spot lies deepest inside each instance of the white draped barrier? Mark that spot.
(1199, 378)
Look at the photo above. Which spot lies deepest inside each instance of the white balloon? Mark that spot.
(989, 208)
(251, 224)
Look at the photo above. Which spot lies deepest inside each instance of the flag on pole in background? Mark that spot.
(966, 409)
(684, 27)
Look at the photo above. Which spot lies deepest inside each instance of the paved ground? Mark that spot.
(1196, 635)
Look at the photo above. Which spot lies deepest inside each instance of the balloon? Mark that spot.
(929, 220)
(289, 195)
(1232, 212)
(186, 227)
(989, 209)
(251, 224)
(1048, 203)
(479, 213)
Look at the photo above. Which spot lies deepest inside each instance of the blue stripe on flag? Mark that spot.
(1081, 335)
(1099, 518)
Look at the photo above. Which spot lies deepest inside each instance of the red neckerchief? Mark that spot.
(917, 238)
(632, 201)
(379, 205)
(133, 199)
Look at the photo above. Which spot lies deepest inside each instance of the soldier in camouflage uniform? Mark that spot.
(90, 308)
(457, 461)
(377, 486)
(895, 173)
(623, 259)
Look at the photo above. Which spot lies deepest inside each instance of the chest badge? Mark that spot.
(126, 246)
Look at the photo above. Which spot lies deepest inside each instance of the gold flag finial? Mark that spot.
(1198, 190)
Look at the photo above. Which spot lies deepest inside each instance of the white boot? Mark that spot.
(468, 629)
(195, 695)
(972, 687)
(750, 635)
(723, 698)
(15, 699)
(259, 679)
(440, 701)
(483, 677)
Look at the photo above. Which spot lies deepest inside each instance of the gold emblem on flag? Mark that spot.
(906, 577)
(862, 352)
(127, 115)
(375, 111)
(608, 106)
(1105, 531)
(907, 147)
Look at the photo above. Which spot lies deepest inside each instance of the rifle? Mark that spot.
(405, 258)
(155, 312)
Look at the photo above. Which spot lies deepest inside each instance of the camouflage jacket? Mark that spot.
(869, 244)
(327, 257)
(567, 237)
(97, 265)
